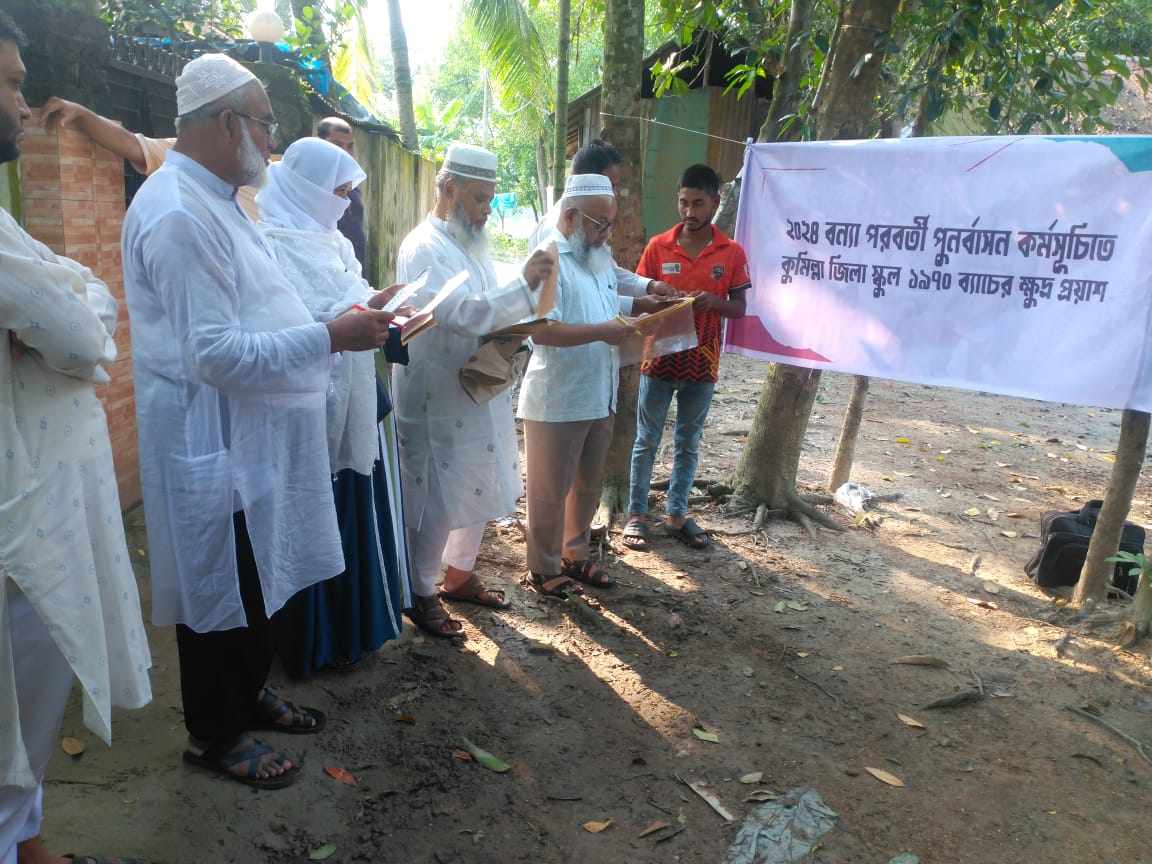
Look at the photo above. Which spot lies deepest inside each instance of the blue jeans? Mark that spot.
(693, 399)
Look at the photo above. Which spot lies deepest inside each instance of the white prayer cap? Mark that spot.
(475, 163)
(588, 185)
(207, 78)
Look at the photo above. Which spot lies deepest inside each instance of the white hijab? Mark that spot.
(299, 192)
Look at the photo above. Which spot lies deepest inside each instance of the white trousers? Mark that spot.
(435, 546)
(43, 682)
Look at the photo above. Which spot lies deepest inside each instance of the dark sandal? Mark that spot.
(475, 591)
(588, 572)
(690, 534)
(429, 614)
(270, 708)
(636, 531)
(554, 586)
(222, 763)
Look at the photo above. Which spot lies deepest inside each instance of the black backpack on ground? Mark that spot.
(1064, 541)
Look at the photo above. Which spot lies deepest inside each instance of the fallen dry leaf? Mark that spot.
(911, 722)
(884, 776)
(404, 718)
(341, 775)
(837, 668)
(705, 735)
(1010, 534)
(991, 587)
(972, 511)
(653, 828)
(463, 755)
(594, 827)
(753, 778)
(73, 746)
(983, 604)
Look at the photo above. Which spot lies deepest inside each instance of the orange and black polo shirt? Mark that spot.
(721, 268)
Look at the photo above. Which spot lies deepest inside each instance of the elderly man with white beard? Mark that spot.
(459, 459)
(231, 375)
(568, 398)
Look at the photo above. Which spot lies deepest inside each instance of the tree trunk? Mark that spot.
(786, 90)
(542, 184)
(403, 73)
(851, 78)
(623, 71)
(785, 102)
(563, 43)
(1097, 572)
(848, 108)
(846, 446)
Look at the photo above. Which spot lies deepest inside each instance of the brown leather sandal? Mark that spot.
(476, 592)
(429, 614)
(588, 572)
(554, 586)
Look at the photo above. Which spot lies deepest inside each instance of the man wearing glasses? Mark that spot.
(568, 398)
(231, 374)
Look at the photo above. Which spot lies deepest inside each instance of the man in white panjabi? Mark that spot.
(600, 157)
(231, 375)
(459, 460)
(568, 398)
(69, 608)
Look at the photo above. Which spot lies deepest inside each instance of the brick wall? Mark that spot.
(72, 195)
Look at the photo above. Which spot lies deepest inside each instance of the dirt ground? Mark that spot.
(779, 645)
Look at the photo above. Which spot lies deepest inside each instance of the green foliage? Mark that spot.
(177, 18)
(1141, 566)
(1004, 66)
(1015, 67)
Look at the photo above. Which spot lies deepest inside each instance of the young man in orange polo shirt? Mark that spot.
(697, 259)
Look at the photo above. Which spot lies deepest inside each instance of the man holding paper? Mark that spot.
(459, 458)
(568, 399)
(698, 259)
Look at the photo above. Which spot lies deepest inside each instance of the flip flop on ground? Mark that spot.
(246, 762)
(690, 534)
(635, 534)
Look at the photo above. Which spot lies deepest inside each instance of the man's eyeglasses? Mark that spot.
(602, 227)
(271, 127)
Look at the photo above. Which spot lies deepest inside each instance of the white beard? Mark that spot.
(252, 164)
(597, 260)
(473, 240)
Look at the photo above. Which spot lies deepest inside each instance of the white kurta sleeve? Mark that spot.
(472, 313)
(45, 301)
(478, 314)
(189, 268)
(631, 284)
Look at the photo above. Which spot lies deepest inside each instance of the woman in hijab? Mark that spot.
(335, 623)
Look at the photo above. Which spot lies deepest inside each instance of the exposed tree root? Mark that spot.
(800, 509)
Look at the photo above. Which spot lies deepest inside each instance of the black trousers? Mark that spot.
(222, 673)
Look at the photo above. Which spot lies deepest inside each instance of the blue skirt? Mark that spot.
(353, 614)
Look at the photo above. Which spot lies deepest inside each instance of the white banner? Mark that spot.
(1019, 266)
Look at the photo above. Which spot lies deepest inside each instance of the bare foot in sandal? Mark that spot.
(635, 534)
(249, 761)
(465, 587)
(429, 614)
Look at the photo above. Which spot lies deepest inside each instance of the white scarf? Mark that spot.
(300, 192)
